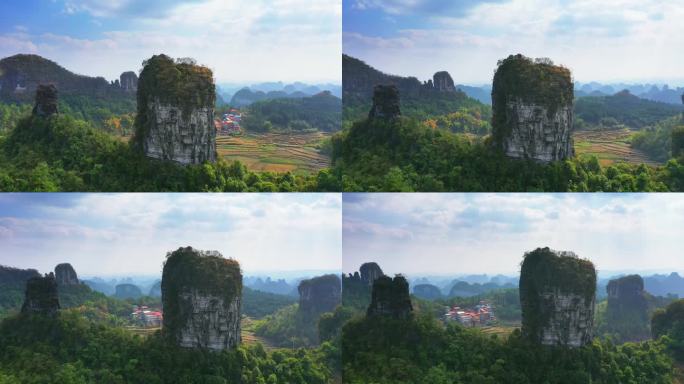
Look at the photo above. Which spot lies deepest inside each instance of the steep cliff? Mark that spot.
(532, 106)
(41, 296)
(201, 295)
(129, 81)
(320, 294)
(557, 296)
(391, 298)
(66, 275)
(370, 272)
(385, 103)
(627, 310)
(46, 100)
(175, 119)
(443, 82)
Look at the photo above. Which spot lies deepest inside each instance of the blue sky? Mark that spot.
(453, 234)
(607, 41)
(129, 234)
(243, 41)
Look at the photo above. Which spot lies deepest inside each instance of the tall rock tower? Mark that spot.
(385, 103)
(128, 81)
(390, 298)
(557, 296)
(370, 272)
(41, 296)
(201, 293)
(443, 82)
(46, 100)
(65, 274)
(175, 119)
(532, 107)
(320, 294)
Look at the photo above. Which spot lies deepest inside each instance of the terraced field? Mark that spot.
(275, 152)
(142, 331)
(500, 331)
(609, 147)
(248, 336)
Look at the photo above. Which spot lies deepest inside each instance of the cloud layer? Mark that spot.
(620, 40)
(489, 233)
(115, 234)
(242, 41)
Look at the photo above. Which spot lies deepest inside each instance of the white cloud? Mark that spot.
(618, 40)
(241, 41)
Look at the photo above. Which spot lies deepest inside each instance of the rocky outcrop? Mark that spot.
(129, 81)
(201, 295)
(66, 275)
(175, 119)
(370, 272)
(385, 103)
(557, 297)
(626, 315)
(41, 296)
(390, 297)
(320, 294)
(127, 291)
(532, 106)
(443, 82)
(46, 100)
(427, 292)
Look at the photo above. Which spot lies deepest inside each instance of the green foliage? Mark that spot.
(289, 327)
(321, 112)
(669, 322)
(623, 108)
(405, 155)
(63, 154)
(421, 350)
(187, 268)
(544, 270)
(70, 349)
(656, 140)
(258, 304)
(677, 138)
(10, 114)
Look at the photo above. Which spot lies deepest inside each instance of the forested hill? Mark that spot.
(418, 100)
(21, 74)
(319, 112)
(623, 108)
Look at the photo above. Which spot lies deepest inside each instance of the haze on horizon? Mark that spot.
(129, 234)
(450, 234)
(243, 42)
(630, 41)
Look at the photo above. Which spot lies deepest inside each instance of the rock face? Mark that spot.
(557, 297)
(129, 81)
(627, 310)
(41, 296)
(391, 298)
(320, 294)
(66, 275)
(443, 82)
(427, 291)
(46, 100)
(175, 119)
(385, 103)
(201, 294)
(532, 106)
(127, 291)
(370, 272)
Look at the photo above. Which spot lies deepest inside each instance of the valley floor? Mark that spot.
(610, 147)
(275, 152)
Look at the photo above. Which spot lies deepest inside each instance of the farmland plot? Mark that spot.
(610, 147)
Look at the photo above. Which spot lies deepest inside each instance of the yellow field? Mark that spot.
(248, 336)
(501, 331)
(142, 331)
(275, 152)
(609, 147)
